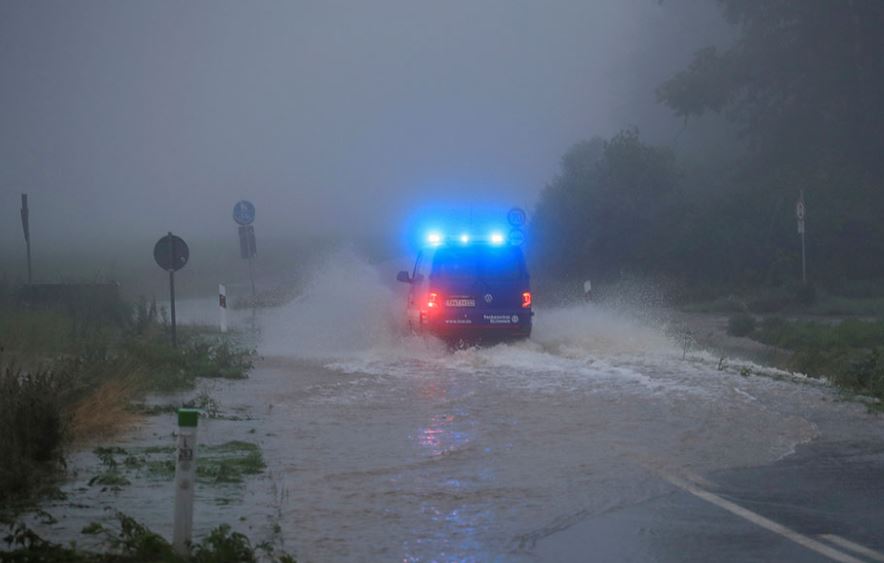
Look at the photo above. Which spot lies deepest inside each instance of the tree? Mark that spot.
(804, 82)
(613, 208)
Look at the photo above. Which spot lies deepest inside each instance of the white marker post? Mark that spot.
(185, 480)
(222, 306)
(587, 291)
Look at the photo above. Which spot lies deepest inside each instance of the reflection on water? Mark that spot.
(454, 529)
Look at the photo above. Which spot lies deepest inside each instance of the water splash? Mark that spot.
(351, 316)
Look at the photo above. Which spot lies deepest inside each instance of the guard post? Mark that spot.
(185, 480)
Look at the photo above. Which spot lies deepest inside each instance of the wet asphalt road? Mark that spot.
(831, 493)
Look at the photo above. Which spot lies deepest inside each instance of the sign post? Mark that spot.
(171, 254)
(222, 306)
(26, 227)
(244, 215)
(185, 480)
(517, 218)
(800, 213)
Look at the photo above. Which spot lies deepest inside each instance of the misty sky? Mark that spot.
(132, 118)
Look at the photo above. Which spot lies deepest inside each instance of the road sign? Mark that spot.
(800, 210)
(248, 247)
(516, 217)
(171, 253)
(244, 212)
(516, 237)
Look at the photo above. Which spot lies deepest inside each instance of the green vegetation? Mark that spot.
(31, 426)
(848, 353)
(797, 98)
(223, 463)
(70, 370)
(741, 325)
(134, 543)
(227, 463)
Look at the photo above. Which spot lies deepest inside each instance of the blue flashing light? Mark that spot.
(496, 238)
(465, 238)
(434, 238)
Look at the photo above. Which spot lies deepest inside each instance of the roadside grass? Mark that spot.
(70, 373)
(858, 299)
(850, 353)
(32, 429)
(226, 463)
(132, 542)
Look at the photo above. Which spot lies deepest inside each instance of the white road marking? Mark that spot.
(763, 522)
(853, 546)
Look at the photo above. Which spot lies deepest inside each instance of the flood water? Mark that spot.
(381, 446)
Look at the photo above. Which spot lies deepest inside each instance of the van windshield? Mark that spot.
(505, 262)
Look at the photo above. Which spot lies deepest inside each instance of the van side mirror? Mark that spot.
(403, 277)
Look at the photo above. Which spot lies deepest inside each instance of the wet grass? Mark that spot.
(849, 353)
(131, 542)
(69, 372)
(225, 463)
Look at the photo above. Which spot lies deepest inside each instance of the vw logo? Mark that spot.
(489, 298)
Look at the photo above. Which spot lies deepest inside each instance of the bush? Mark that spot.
(57, 365)
(741, 325)
(31, 427)
(805, 294)
(865, 375)
(848, 353)
(135, 543)
(771, 301)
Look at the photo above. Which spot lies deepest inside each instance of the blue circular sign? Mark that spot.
(516, 237)
(516, 217)
(244, 212)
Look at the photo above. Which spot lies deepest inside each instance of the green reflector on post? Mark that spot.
(188, 417)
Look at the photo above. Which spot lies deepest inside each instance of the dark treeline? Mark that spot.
(803, 87)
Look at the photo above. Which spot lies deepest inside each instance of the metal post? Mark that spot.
(172, 289)
(185, 480)
(252, 278)
(25, 224)
(222, 306)
(803, 261)
(800, 214)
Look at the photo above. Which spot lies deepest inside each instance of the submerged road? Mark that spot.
(598, 440)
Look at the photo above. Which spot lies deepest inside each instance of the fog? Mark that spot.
(125, 120)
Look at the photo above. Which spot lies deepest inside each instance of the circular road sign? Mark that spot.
(244, 212)
(516, 217)
(171, 255)
(516, 236)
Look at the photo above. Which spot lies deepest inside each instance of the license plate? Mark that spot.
(460, 302)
